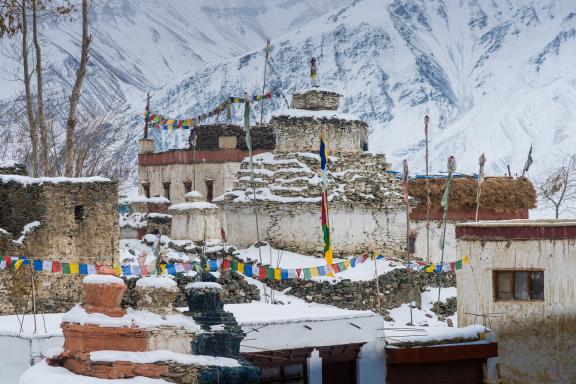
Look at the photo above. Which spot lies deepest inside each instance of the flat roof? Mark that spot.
(521, 229)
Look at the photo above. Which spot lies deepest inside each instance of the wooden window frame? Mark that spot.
(529, 271)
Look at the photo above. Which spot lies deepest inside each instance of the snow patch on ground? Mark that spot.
(162, 355)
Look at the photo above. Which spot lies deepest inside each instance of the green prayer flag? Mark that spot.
(234, 265)
(459, 264)
(342, 266)
(307, 274)
(66, 268)
(270, 273)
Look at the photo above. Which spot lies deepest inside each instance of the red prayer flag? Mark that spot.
(8, 261)
(225, 264)
(144, 270)
(335, 268)
(56, 266)
(262, 272)
(298, 271)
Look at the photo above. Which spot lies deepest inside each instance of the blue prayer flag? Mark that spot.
(83, 269)
(213, 265)
(284, 274)
(171, 269)
(353, 262)
(38, 265)
(126, 271)
(248, 270)
(438, 268)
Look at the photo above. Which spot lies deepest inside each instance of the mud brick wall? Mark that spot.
(208, 136)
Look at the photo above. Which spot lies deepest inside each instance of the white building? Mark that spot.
(521, 277)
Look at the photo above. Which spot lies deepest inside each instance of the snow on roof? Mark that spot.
(521, 223)
(102, 279)
(45, 374)
(8, 163)
(203, 284)
(139, 318)
(10, 325)
(317, 89)
(162, 355)
(157, 282)
(196, 205)
(436, 334)
(27, 180)
(319, 115)
(259, 313)
(193, 194)
(158, 200)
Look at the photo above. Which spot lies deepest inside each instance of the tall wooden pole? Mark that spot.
(481, 163)
(406, 201)
(266, 52)
(426, 120)
(146, 119)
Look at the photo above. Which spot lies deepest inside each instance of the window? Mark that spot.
(79, 213)
(518, 285)
(287, 374)
(146, 189)
(412, 243)
(209, 190)
(187, 186)
(166, 186)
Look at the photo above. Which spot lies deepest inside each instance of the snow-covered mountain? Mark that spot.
(494, 76)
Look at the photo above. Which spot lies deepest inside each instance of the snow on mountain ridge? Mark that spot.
(470, 66)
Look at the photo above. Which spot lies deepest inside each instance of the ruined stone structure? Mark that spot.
(522, 272)
(219, 151)
(140, 215)
(366, 209)
(63, 219)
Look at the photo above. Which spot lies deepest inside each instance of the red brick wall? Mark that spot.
(524, 232)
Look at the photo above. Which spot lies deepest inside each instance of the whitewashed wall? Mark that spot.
(196, 224)
(297, 227)
(221, 173)
(436, 228)
(537, 340)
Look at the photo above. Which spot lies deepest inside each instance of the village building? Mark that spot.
(502, 198)
(366, 209)
(520, 282)
(206, 167)
(64, 220)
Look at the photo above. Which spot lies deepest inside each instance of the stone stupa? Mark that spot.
(366, 209)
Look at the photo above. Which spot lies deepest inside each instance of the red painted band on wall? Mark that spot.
(469, 215)
(536, 232)
(186, 156)
(440, 354)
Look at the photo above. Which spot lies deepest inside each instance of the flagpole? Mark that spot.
(481, 162)
(405, 190)
(264, 82)
(451, 170)
(426, 120)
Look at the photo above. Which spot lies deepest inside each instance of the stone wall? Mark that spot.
(296, 227)
(235, 289)
(316, 100)
(302, 134)
(207, 136)
(397, 287)
(78, 223)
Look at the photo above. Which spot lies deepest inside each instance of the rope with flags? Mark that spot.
(325, 221)
(160, 121)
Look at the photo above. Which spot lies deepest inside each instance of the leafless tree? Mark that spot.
(75, 95)
(558, 191)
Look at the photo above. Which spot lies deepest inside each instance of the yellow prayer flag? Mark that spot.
(431, 268)
(328, 256)
(163, 268)
(18, 263)
(117, 270)
(347, 263)
(314, 271)
(277, 273)
(240, 267)
(465, 260)
(74, 270)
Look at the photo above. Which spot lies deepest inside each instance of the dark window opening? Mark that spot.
(146, 188)
(209, 190)
(365, 146)
(412, 244)
(518, 285)
(166, 186)
(187, 186)
(79, 213)
(286, 374)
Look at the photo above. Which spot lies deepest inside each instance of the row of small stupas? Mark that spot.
(366, 208)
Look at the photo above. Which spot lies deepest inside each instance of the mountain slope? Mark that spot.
(495, 77)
